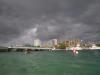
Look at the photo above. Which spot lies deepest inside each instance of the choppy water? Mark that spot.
(50, 63)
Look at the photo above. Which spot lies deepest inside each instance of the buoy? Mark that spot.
(76, 52)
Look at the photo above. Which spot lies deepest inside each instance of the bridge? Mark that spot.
(29, 48)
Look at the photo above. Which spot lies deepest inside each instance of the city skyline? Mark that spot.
(23, 20)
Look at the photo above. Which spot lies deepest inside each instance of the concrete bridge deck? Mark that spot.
(31, 48)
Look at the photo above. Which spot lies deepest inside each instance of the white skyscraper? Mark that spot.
(55, 41)
(37, 42)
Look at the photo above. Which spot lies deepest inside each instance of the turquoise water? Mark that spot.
(50, 63)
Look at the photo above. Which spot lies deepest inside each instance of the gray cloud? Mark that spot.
(55, 19)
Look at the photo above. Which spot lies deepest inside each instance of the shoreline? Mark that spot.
(30, 50)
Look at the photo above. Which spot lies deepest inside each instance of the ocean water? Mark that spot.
(50, 63)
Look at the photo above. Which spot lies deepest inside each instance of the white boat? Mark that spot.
(94, 47)
(54, 48)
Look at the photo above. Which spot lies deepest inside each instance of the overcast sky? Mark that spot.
(23, 20)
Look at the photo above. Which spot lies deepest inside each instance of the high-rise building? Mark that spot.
(55, 41)
(37, 42)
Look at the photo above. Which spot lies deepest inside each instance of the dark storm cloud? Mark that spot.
(55, 19)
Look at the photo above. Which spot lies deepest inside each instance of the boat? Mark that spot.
(94, 47)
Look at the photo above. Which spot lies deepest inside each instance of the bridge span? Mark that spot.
(29, 48)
